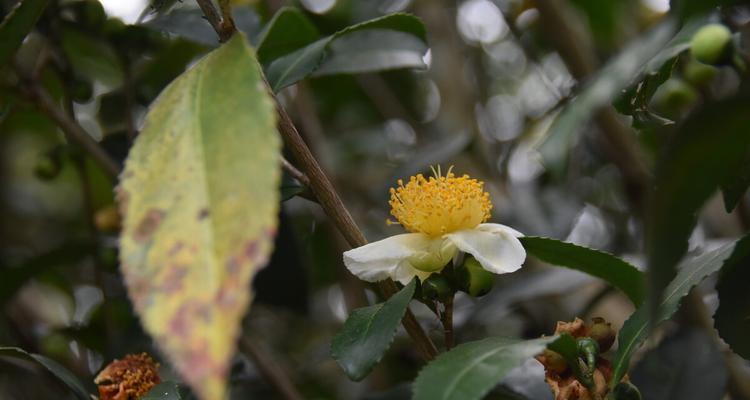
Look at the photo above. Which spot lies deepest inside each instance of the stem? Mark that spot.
(294, 172)
(447, 319)
(270, 369)
(225, 29)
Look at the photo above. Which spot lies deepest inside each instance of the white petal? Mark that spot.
(404, 273)
(387, 258)
(495, 246)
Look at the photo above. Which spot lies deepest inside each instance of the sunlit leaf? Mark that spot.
(368, 332)
(472, 369)
(200, 200)
(17, 24)
(613, 270)
(704, 153)
(57, 370)
(637, 327)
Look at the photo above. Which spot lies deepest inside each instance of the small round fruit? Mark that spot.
(698, 73)
(473, 279)
(674, 96)
(626, 391)
(436, 287)
(712, 44)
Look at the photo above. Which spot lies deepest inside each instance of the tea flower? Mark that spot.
(445, 215)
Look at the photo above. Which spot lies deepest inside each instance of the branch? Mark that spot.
(225, 29)
(270, 369)
(73, 131)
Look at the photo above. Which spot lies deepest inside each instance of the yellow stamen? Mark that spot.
(440, 204)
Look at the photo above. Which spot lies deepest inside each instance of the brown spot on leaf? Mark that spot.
(173, 279)
(148, 225)
(176, 249)
(203, 213)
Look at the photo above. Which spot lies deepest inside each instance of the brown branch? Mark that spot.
(294, 172)
(73, 131)
(446, 318)
(271, 370)
(225, 29)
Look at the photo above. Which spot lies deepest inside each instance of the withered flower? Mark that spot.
(129, 378)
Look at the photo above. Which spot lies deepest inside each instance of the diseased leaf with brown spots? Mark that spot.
(199, 197)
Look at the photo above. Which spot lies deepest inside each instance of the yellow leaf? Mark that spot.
(199, 198)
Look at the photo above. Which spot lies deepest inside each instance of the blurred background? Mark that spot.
(498, 75)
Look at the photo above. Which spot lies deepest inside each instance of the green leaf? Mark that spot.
(290, 187)
(57, 370)
(471, 370)
(704, 153)
(734, 190)
(732, 318)
(636, 328)
(368, 332)
(288, 30)
(92, 57)
(200, 198)
(613, 270)
(685, 366)
(301, 63)
(17, 24)
(163, 391)
(372, 50)
(600, 90)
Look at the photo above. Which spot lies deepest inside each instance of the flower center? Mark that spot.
(440, 204)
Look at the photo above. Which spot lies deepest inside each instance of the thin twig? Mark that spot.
(271, 370)
(73, 131)
(294, 172)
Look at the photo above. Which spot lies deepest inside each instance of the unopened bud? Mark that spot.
(473, 279)
(436, 287)
(553, 361)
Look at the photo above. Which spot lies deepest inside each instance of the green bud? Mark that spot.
(601, 331)
(473, 279)
(698, 73)
(626, 391)
(712, 44)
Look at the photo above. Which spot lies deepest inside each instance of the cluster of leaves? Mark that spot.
(199, 194)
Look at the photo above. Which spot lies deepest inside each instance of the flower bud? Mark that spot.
(712, 44)
(473, 279)
(601, 331)
(436, 287)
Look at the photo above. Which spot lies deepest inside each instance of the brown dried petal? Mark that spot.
(129, 378)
